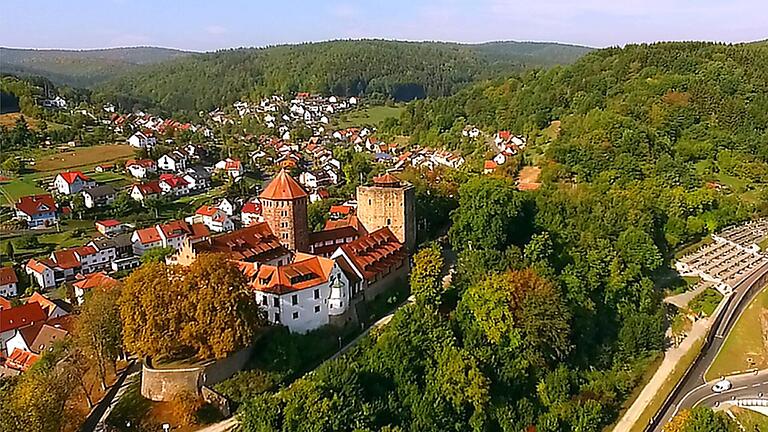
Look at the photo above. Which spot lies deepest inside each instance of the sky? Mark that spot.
(211, 25)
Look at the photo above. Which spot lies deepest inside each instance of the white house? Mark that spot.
(172, 162)
(141, 168)
(37, 210)
(142, 140)
(99, 196)
(233, 167)
(72, 182)
(173, 185)
(171, 234)
(8, 282)
(304, 294)
(251, 213)
(226, 206)
(214, 218)
(141, 191)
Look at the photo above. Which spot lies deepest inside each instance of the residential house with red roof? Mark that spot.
(232, 167)
(8, 282)
(109, 227)
(140, 192)
(141, 168)
(213, 217)
(64, 264)
(87, 283)
(172, 234)
(251, 213)
(16, 318)
(38, 211)
(303, 295)
(142, 140)
(171, 184)
(52, 308)
(376, 260)
(72, 182)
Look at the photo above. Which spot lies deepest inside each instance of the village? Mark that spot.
(185, 192)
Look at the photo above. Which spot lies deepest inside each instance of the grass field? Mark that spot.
(84, 158)
(750, 420)
(9, 120)
(744, 342)
(706, 302)
(19, 187)
(370, 116)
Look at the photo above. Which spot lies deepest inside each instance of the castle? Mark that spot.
(304, 279)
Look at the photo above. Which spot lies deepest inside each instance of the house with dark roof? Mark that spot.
(38, 211)
(72, 182)
(99, 196)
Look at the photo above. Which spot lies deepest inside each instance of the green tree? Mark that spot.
(99, 330)
(157, 255)
(9, 251)
(426, 284)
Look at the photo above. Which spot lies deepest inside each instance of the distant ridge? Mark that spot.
(81, 68)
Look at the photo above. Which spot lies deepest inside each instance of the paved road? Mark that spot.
(748, 386)
(693, 387)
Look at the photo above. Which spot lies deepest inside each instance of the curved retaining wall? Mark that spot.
(160, 384)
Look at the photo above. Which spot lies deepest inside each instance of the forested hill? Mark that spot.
(81, 68)
(627, 111)
(376, 68)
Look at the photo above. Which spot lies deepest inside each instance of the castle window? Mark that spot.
(295, 315)
(283, 213)
(317, 308)
(317, 294)
(276, 301)
(389, 221)
(370, 202)
(285, 235)
(277, 317)
(264, 300)
(294, 299)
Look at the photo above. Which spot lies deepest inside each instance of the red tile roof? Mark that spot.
(146, 163)
(283, 187)
(173, 181)
(21, 360)
(490, 165)
(504, 134)
(66, 258)
(71, 176)
(93, 280)
(39, 266)
(233, 164)
(8, 276)
(255, 243)
(375, 253)
(207, 210)
(350, 220)
(108, 223)
(149, 188)
(4, 303)
(386, 179)
(306, 271)
(35, 204)
(252, 208)
(148, 235)
(341, 209)
(21, 316)
(44, 302)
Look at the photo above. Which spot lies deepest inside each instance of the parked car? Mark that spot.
(721, 386)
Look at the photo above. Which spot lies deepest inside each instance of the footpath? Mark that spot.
(671, 361)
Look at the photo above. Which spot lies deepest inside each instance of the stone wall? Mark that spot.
(378, 207)
(161, 384)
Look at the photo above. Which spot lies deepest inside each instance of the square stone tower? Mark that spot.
(284, 208)
(389, 202)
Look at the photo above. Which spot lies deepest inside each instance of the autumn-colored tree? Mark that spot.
(185, 406)
(205, 309)
(426, 285)
(99, 330)
(521, 308)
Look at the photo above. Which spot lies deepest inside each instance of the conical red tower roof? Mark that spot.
(283, 187)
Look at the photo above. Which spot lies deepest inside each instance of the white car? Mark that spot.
(721, 386)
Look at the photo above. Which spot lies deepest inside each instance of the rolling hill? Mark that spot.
(375, 68)
(81, 68)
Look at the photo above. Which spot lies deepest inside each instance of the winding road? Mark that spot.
(693, 389)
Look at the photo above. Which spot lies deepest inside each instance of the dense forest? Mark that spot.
(375, 68)
(81, 68)
(556, 307)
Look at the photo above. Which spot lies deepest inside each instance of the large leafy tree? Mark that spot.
(98, 333)
(426, 284)
(205, 309)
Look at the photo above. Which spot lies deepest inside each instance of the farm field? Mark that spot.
(84, 158)
(370, 116)
(9, 120)
(13, 189)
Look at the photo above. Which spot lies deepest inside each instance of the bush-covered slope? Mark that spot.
(385, 69)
